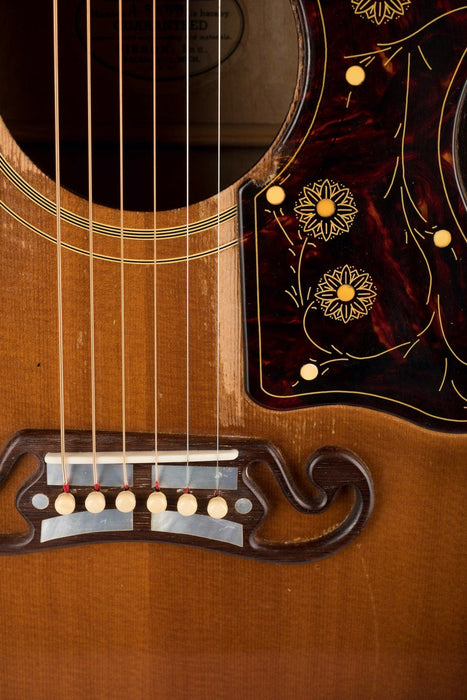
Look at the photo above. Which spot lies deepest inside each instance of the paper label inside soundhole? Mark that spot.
(171, 41)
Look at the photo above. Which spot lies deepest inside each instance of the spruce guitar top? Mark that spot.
(233, 295)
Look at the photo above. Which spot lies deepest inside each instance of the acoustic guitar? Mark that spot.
(233, 349)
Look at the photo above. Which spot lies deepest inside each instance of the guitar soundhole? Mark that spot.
(257, 82)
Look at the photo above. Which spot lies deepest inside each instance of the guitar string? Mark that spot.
(219, 41)
(154, 113)
(91, 248)
(187, 252)
(59, 246)
(122, 248)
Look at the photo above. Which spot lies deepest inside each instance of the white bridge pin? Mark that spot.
(217, 507)
(125, 501)
(187, 504)
(65, 503)
(95, 502)
(157, 502)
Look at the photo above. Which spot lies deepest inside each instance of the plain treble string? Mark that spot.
(91, 247)
(187, 125)
(219, 56)
(122, 240)
(59, 244)
(154, 116)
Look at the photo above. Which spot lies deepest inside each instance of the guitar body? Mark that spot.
(381, 618)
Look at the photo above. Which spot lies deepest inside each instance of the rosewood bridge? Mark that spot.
(206, 497)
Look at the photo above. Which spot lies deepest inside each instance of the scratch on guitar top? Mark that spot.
(284, 179)
(330, 529)
(375, 620)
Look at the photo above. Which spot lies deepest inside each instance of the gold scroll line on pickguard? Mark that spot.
(340, 392)
(105, 229)
(109, 258)
(391, 44)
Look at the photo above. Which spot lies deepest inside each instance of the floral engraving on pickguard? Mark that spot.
(346, 294)
(326, 209)
(381, 10)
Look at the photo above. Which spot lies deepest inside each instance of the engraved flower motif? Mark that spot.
(381, 10)
(346, 294)
(326, 209)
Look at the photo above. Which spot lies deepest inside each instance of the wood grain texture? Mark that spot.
(382, 619)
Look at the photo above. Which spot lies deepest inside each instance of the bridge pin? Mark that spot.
(65, 503)
(95, 502)
(125, 501)
(217, 507)
(187, 504)
(157, 502)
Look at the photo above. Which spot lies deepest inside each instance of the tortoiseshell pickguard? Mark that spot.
(355, 284)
